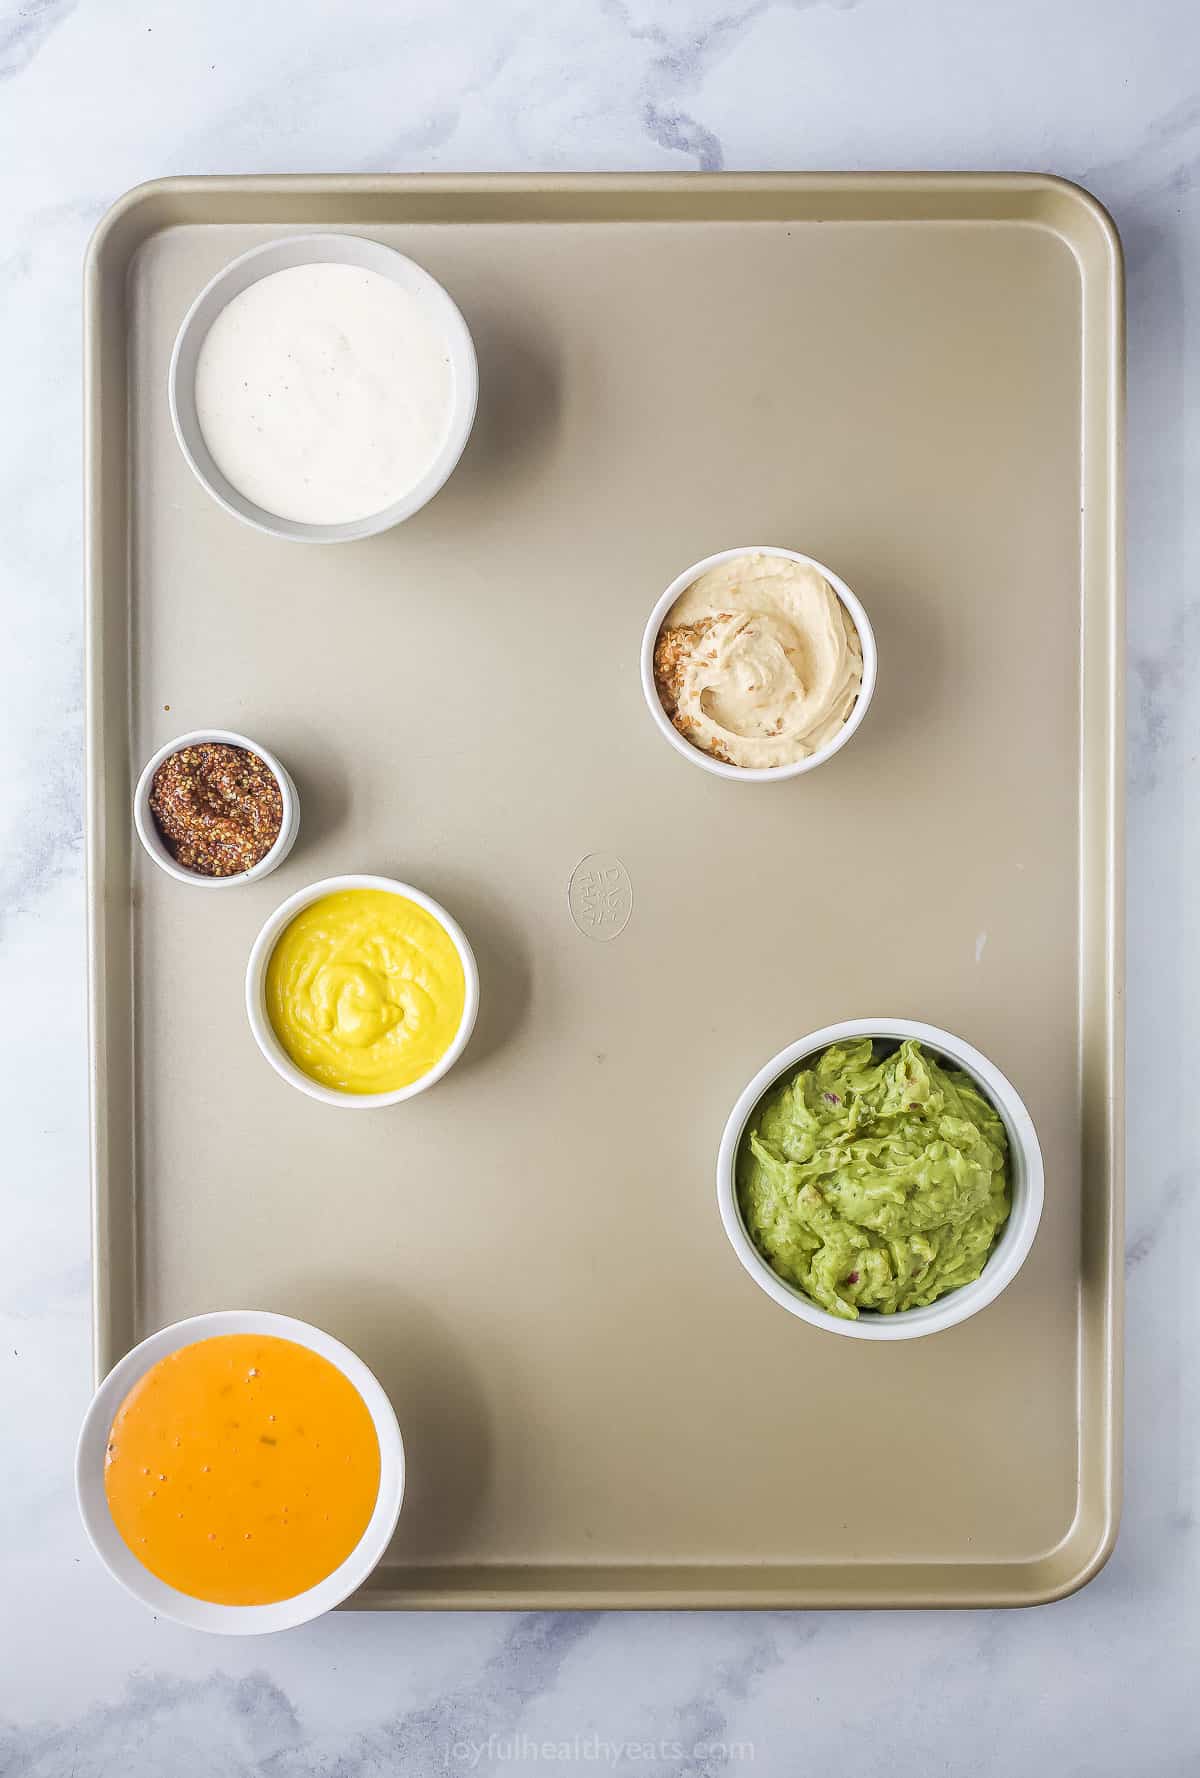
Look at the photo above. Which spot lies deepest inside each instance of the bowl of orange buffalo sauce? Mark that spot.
(240, 1472)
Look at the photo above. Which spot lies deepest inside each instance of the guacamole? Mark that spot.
(872, 1180)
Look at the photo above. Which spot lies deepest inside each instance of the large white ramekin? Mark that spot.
(1016, 1237)
(758, 774)
(202, 1614)
(147, 827)
(256, 1005)
(322, 249)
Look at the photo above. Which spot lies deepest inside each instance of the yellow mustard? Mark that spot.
(365, 991)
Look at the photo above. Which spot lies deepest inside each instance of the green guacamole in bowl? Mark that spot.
(874, 1178)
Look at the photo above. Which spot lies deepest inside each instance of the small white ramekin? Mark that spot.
(1016, 1237)
(147, 827)
(256, 998)
(202, 1614)
(758, 774)
(321, 249)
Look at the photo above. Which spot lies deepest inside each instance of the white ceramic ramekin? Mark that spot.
(757, 774)
(201, 1614)
(324, 249)
(256, 1004)
(1016, 1237)
(147, 827)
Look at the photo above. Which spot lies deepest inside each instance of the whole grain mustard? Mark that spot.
(365, 991)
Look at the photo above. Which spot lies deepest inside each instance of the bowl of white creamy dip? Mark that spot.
(758, 663)
(323, 387)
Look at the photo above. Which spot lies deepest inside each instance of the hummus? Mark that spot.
(758, 662)
(874, 1184)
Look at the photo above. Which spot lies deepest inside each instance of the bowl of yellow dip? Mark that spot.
(240, 1472)
(880, 1179)
(362, 991)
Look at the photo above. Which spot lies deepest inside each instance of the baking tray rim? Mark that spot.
(867, 196)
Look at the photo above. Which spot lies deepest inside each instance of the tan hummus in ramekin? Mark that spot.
(758, 662)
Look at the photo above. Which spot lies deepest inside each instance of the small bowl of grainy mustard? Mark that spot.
(214, 808)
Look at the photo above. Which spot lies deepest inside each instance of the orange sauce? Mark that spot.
(242, 1469)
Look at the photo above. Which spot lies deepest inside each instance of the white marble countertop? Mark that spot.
(100, 94)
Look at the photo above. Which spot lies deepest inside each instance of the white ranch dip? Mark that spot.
(324, 392)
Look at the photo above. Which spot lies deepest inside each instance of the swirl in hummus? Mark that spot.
(758, 662)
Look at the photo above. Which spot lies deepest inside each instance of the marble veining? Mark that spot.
(26, 29)
(99, 94)
(676, 130)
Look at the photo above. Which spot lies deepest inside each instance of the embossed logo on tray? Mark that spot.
(600, 896)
